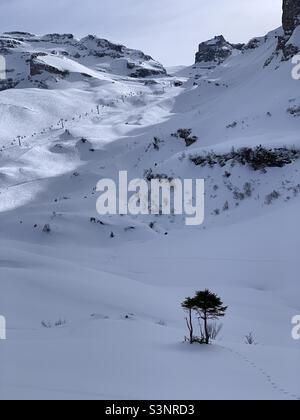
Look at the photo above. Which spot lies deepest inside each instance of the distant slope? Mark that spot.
(42, 62)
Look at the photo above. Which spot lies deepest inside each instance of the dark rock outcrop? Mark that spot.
(39, 68)
(7, 44)
(253, 44)
(290, 22)
(216, 50)
(291, 16)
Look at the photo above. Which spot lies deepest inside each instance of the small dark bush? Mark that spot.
(250, 339)
(272, 197)
(47, 228)
(186, 135)
(294, 110)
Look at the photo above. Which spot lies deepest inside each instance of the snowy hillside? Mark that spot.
(47, 61)
(93, 304)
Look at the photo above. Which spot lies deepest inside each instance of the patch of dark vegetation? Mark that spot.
(294, 110)
(59, 323)
(149, 175)
(96, 221)
(155, 144)
(273, 196)
(186, 135)
(258, 158)
(47, 228)
(232, 125)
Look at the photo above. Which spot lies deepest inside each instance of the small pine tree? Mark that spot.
(208, 306)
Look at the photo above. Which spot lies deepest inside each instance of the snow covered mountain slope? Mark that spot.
(47, 61)
(92, 315)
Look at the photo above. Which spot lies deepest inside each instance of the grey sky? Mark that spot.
(169, 30)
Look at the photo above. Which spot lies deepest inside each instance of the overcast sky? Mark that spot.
(169, 30)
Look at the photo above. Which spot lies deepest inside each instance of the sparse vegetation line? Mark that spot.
(258, 158)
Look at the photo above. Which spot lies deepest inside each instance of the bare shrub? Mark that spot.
(272, 197)
(47, 228)
(59, 323)
(214, 330)
(250, 339)
(226, 206)
(248, 189)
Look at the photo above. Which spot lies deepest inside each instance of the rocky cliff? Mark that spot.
(216, 50)
(289, 43)
(291, 15)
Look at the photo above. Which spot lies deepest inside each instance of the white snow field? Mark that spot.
(95, 317)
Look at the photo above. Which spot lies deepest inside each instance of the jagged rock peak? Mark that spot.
(216, 50)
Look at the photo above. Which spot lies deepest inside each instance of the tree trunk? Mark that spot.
(189, 322)
(206, 329)
(191, 328)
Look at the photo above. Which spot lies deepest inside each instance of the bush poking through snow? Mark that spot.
(232, 125)
(186, 135)
(149, 175)
(272, 197)
(59, 323)
(226, 206)
(156, 143)
(250, 339)
(237, 195)
(96, 221)
(248, 189)
(294, 110)
(47, 228)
